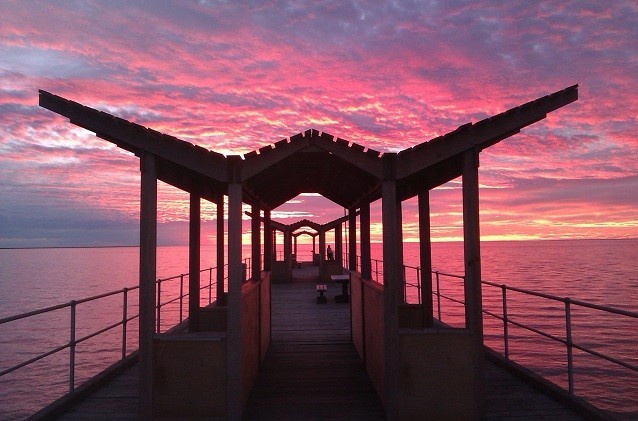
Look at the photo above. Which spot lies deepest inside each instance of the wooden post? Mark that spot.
(352, 239)
(235, 278)
(221, 299)
(392, 274)
(339, 244)
(294, 251)
(255, 228)
(402, 286)
(194, 227)
(274, 245)
(425, 254)
(148, 257)
(288, 253)
(322, 252)
(267, 241)
(472, 247)
(366, 263)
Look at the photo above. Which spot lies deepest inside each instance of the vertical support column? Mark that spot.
(314, 246)
(194, 227)
(402, 289)
(425, 255)
(472, 247)
(366, 262)
(268, 241)
(392, 279)
(339, 244)
(148, 262)
(274, 244)
(294, 237)
(288, 252)
(255, 229)
(352, 239)
(235, 277)
(221, 295)
(322, 253)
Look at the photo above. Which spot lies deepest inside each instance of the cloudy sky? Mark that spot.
(233, 78)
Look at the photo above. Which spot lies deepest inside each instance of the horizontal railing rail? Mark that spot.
(568, 303)
(125, 319)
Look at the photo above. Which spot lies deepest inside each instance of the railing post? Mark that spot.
(568, 333)
(418, 285)
(159, 304)
(124, 320)
(181, 297)
(72, 349)
(210, 285)
(505, 327)
(438, 295)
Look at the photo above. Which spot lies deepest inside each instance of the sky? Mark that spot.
(236, 76)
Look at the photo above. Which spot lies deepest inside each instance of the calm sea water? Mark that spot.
(598, 271)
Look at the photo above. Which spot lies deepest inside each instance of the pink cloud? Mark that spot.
(234, 78)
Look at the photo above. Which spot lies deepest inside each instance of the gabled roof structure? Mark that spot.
(351, 176)
(310, 162)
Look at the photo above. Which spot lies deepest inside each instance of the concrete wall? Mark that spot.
(436, 374)
(250, 337)
(281, 271)
(189, 369)
(265, 313)
(356, 313)
(189, 375)
(374, 335)
(212, 319)
(330, 267)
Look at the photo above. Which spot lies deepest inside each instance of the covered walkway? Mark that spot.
(312, 372)
(210, 370)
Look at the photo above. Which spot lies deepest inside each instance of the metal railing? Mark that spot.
(123, 322)
(567, 341)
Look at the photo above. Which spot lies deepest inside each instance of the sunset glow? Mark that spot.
(388, 76)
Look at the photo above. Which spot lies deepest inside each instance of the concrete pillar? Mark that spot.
(392, 281)
(352, 239)
(235, 278)
(194, 227)
(366, 262)
(425, 255)
(255, 228)
(221, 295)
(472, 253)
(268, 241)
(148, 273)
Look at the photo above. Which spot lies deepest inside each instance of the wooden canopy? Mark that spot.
(346, 173)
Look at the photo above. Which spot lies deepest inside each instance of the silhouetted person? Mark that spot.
(330, 255)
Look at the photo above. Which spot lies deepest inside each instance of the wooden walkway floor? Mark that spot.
(312, 372)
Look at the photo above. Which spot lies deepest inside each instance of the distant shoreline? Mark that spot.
(64, 247)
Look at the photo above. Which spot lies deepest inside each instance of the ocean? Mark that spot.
(603, 272)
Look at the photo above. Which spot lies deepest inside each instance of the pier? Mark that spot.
(417, 367)
(312, 371)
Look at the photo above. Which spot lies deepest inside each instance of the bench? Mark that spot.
(321, 289)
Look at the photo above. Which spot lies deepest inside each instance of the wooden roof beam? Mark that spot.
(483, 134)
(135, 138)
(367, 161)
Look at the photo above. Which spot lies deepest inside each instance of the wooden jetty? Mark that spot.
(312, 371)
(418, 370)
